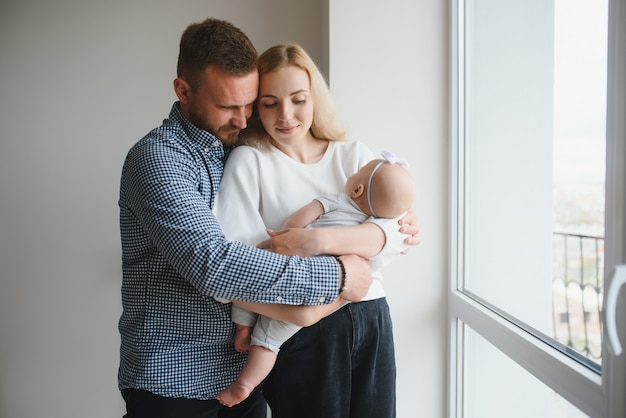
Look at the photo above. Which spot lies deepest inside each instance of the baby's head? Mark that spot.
(382, 189)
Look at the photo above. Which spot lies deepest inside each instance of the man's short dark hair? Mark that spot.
(214, 42)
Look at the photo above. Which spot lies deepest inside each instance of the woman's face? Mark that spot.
(285, 104)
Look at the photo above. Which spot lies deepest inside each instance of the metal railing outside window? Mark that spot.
(577, 292)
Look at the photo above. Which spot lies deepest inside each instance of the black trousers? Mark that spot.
(342, 367)
(144, 404)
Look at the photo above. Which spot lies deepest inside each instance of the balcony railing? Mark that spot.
(577, 291)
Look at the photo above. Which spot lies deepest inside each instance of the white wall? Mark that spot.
(388, 73)
(81, 81)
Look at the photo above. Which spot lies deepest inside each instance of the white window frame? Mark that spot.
(594, 394)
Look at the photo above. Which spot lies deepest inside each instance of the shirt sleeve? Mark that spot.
(162, 189)
(394, 239)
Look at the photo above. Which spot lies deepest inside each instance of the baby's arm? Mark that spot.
(304, 216)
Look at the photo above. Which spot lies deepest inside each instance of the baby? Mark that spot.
(382, 188)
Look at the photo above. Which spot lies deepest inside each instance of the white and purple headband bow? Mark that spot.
(388, 157)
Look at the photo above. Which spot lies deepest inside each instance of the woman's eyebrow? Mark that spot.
(271, 96)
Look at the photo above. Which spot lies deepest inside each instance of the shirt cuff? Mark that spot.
(394, 239)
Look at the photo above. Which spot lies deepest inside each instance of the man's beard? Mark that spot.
(230, 138)
(228, 134)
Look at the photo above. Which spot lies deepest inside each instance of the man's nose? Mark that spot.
(240, 117)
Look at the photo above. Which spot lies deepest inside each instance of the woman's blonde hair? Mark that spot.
(326, 124)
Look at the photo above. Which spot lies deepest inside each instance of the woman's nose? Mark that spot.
(285, 112)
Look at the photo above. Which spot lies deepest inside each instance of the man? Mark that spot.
(177, 341)
(177, 348)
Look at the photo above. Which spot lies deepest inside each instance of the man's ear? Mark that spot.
(357, 191)
(182, 89)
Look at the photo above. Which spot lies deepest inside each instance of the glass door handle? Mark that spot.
(619, 279)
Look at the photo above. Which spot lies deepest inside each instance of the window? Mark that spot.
(529, 255)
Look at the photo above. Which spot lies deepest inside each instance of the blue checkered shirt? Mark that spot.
(176, 340)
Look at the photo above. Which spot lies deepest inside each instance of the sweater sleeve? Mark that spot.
(394, 243)
(238, 199)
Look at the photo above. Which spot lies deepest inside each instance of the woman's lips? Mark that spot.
(286, 129)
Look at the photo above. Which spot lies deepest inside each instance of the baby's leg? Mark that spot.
(258, 366)
(243, 335)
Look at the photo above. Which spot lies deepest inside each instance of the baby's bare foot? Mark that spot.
(233, 394)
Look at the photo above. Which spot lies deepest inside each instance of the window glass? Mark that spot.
(534, 163)
(497, 387)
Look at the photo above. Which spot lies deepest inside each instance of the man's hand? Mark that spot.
(358, 277)
(408, 225)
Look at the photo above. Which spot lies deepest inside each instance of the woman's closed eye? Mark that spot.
(299, 99)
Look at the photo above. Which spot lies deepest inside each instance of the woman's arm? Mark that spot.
(365, 240)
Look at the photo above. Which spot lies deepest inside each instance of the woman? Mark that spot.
(342, 366)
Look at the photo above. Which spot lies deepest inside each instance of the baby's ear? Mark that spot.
(357, 191)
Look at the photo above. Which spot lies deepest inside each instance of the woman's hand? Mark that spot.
(408, 225)
(292, 241)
